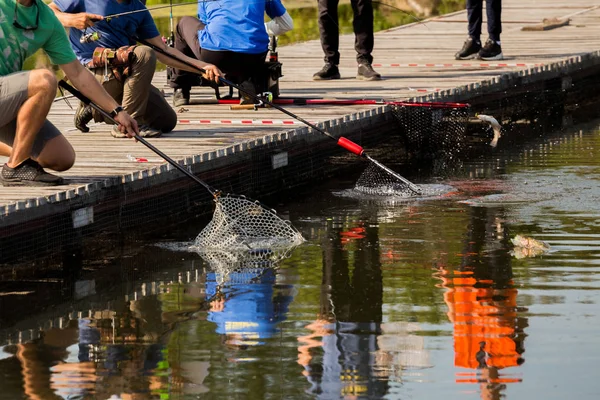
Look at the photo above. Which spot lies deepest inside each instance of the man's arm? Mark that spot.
(87, 84)
(280, 25)
(78, 20)
(212, 72)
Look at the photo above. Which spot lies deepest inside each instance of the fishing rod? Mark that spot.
(171, 5)
(106, 115)
(341, 141)
(419, 20)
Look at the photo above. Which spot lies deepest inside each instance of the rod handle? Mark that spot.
(243, 107)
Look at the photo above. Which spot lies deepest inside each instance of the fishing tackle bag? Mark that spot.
(119, 61)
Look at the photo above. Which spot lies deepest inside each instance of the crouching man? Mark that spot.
(128, 75)
(27, 138)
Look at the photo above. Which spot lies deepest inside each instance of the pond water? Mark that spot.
(387, 298)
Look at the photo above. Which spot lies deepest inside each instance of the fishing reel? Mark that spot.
(90, 37)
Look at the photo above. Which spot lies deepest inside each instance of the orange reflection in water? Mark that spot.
(485, 326)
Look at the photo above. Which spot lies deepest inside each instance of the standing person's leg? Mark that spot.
(475, 18)
(492, 49)
(472, 45)
(363, 30)
(364, 39)
(186, 41)
(494, 21)
(330, 39)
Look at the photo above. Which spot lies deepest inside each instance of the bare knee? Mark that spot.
(42, 81)
(57, 154)
(65, 163)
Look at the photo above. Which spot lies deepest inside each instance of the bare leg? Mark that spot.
(32, 114)
(5, 150)
(58, 154)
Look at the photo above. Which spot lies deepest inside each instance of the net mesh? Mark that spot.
(433, 130)
(241, 225)
(377, 182)
(236, 267)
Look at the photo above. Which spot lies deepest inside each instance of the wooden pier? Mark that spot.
(120, 184)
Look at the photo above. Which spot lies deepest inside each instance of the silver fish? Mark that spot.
(495, 126)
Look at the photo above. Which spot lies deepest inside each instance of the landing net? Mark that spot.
(241, 225)
(433, 129)
(374, 181)
(235, 267)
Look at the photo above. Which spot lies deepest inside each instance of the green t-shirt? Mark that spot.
(18, 44)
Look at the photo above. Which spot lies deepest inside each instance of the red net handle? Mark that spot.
(350, 146)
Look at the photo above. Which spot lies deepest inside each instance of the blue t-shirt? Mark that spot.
(236, 25)
(119, 31)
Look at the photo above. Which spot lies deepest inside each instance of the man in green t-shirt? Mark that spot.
(27, 138)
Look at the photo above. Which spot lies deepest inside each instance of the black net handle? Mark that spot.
(140, 139)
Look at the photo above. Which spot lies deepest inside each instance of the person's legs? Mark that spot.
(492, 50)
(472, 45)
(159, 114)
(136, 88)
(186, 41)
(41, 90)
(493, 10)
(112, 87)
(363, 30)
(240, 68)
(330, 39)
(53, 150)
(329, 30)
(363, 39)
(474, 18)
(27, 138)
(50, 148)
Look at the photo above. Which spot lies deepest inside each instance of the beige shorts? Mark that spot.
(13, 93)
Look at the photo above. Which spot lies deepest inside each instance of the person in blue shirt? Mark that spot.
(141, 100)
(232, 35)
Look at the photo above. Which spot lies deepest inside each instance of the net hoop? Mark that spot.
(241, 225)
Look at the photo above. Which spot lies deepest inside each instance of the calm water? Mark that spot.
(386, 298)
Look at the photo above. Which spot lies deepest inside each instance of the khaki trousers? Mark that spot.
(136, 94)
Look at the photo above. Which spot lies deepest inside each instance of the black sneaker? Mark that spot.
(28, 173)
(491, 51)
(367, 73)
(469, 50)
(83, 115)
(181, 97)
(329, 71)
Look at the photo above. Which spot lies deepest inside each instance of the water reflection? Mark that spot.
(482, 305)
(248, 308)
(353, 312)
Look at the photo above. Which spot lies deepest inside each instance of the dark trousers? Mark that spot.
(330, 32)
(237, 67)
(493, 10)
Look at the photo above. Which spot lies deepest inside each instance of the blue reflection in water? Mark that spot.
(248, 307)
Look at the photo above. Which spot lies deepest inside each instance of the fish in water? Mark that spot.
(495, 126)
(528, 247)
